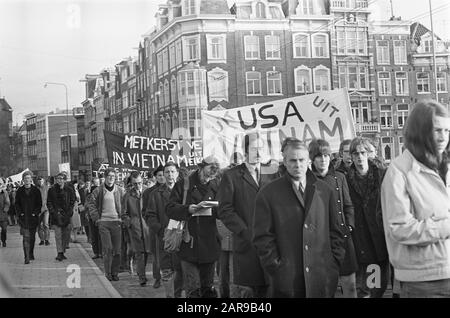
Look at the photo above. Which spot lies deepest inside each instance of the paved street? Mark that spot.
(47, 278)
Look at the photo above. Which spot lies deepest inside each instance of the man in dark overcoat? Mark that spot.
(28, 207)
(237, 194)
(297, 232)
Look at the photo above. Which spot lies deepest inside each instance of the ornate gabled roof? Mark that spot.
(214, 7)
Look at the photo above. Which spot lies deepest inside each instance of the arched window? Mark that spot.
(321, 78)
(161, 96)
(173, 89)
(302, 79)
(301, 45)
(260, 10)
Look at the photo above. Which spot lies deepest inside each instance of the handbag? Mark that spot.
(175, 235)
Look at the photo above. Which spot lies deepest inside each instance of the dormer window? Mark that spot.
(260, 10)
(189, 7)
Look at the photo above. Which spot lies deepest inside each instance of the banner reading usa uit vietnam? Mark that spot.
(142, 153)
(325, 115)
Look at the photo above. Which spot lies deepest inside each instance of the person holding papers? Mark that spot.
(201, 247)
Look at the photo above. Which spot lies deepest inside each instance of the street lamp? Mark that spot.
(67, 116)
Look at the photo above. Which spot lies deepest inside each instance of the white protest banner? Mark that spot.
(325, 115)
(17, 177)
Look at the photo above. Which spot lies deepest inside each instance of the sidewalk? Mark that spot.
(47, 278)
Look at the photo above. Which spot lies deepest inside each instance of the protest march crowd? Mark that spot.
(322, 223)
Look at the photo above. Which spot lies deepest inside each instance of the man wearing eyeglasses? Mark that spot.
(105, 209)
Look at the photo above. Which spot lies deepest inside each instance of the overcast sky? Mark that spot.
(62, 40)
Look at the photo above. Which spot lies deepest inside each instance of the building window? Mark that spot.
(274, 83)
(441, 82)
(400, 52)
(384, 83)
(218, 85)
(191, 48)
(401, 83)
(251, 43)
(165, 60)
(260, 10)
(321, 79)
(273, 47)
(353, 77)
(360, 112)
(179, 51)
(351, 40)
(423, 82)
(162, 127)
(320, 45)
(386, 116)
(386, 146)
(253, 83)
(189, 7)
(168, 128)
(306, 7)
(159, 58)
(161, 96)
(166, 93)
(402, 114)
(216, 47)
(172, 56)
(301, 45)
(173, 89)
(383, 52)
(302, 80)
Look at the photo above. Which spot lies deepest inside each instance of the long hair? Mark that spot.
(419, 135)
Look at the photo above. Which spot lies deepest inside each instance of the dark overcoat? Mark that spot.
(61, 212)
(205, 244)
(28, 207)
(368, 234)
(237, 195)
(346, 213)
(137, 228)
(299, 240)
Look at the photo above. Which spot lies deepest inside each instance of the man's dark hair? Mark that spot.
(108, 171)
(171, 164)
(135, 175)
(160, 168)
(342, 145)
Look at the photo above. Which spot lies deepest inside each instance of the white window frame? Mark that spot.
(400, 53)
(222, 57)
(218, 84)
(179, 52)
(172, 55)
(401, 84)
(358, 76)
(297, 85)
(190, 7)
(384, 85)
(384, 145)
(403, 114)
(186, 48)
(165, 58)
(383, 56)
(271, 83)
(360, 112)
(275, 48)
(255, 10)
(296, 44)
(305, 7)
(442, 81)
(246, 39)
(159, 60)
(388, 116)
(247, 82)
(326, 49)
(349, 43)
(423, 82)
(166, 93)
(321, 68)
